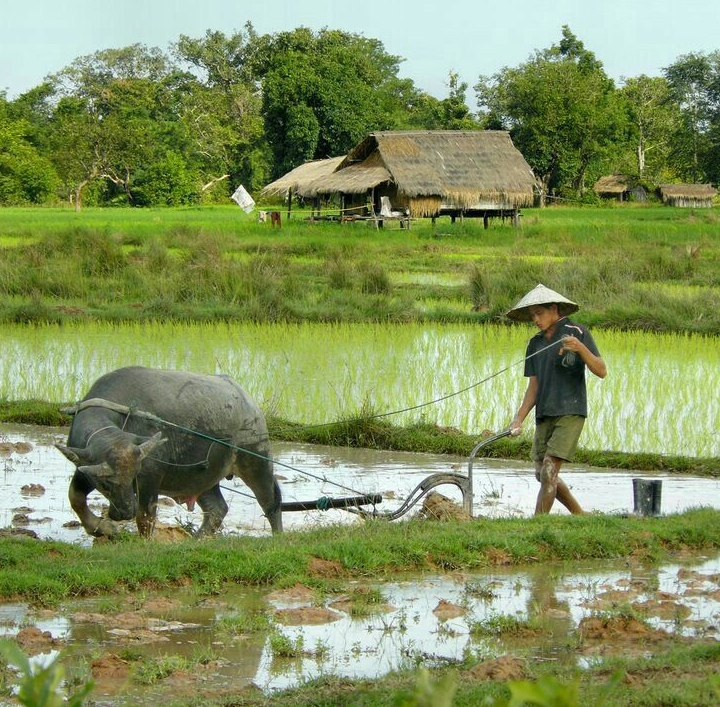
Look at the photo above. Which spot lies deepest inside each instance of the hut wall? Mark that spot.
(688, 202)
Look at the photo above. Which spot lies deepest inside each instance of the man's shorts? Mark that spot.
(557, 437)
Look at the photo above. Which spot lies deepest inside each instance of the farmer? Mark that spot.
(556, 389)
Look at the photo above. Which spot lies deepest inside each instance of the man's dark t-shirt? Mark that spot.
(561, 379)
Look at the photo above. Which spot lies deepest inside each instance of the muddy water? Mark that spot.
(502, 488)
(419, 620)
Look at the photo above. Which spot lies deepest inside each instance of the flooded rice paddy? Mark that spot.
(149, 646)
(34, 480)
(658, 396)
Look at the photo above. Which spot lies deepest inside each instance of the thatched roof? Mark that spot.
(299, 177)
(687, 191)
(613, 184)
(461, 167)
(353, 179)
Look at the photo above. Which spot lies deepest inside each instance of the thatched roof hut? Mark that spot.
(434, 172)
(613, 185)
(301, 176)
(688, 195)
(621, 187)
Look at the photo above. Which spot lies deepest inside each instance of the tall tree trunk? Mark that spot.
(641, 153)
(78, 195)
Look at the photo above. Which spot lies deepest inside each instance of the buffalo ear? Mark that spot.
(76, 455)
(153, 443)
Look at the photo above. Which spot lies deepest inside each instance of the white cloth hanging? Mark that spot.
(243, 199)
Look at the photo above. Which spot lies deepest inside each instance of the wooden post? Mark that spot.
(462, 217)
(486, 221)
(289, 203)
(516, 217)
(452, 217)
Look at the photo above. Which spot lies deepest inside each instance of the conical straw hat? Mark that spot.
(541, 295)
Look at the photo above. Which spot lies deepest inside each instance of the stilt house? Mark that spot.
(431, 173)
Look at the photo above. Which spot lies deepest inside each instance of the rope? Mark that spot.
(422, 405)
(323, 502)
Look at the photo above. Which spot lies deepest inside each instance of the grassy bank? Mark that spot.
(429, 438)
(47, 572)
(653, 268)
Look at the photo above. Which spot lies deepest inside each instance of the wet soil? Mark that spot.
(416, 619)
(36, 475)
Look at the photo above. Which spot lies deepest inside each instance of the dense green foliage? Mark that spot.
(140, 126)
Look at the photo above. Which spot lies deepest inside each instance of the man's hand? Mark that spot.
(571, 343)
(515, 428)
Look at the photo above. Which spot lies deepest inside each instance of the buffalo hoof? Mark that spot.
(106, 529)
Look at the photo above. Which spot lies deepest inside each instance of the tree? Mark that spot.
(694, 81)
(322, 92)
(562, 111)
(222, 108)
(116, 107)
(654, 117)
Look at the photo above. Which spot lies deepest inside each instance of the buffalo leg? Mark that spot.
(146, 511)
(257, 474)
(94, 525)
(214, 510)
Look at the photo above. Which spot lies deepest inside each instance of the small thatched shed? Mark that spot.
(688, 195)
(429, 173)
(613, 186)
(298, 178)
(621, 187)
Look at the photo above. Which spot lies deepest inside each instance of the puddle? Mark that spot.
(148, 646)
(34, 485)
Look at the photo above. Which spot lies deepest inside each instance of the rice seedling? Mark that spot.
(657, 397)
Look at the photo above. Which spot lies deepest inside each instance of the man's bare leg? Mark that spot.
(552, 487)
(567, 499)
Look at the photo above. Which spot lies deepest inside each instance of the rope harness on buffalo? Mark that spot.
(353, 503)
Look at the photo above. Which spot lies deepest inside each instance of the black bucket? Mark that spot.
(647, 497)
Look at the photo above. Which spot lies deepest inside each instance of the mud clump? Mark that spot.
(7, 448)
(298, 594)
(169, 534)
(618, 628)
(33, 489)
(161, 605)
(18, 533)
(324, 568)
(110, 667)
(306, 616)
(446, 610)
(438, 507)
(33, 641)
(504, 668)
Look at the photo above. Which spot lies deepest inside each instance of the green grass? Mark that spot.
(47, 572)
(212, 263)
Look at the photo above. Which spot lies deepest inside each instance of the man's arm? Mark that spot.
(594, 363)
(528, 404)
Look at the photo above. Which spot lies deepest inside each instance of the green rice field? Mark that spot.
(660, 394)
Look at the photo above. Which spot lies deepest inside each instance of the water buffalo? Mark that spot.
(131, 459)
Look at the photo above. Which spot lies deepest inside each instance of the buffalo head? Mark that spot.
(111, 466)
